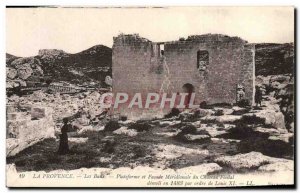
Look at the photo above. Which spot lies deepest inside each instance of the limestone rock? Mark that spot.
(225, 140)
(21, 83)
(283, 137)
(9, 84)
(78, 139)
(20, 61)
(168, 123)
(173, 151)
(228, 118)
(11, 73)
(278, 167)
(200, 138)
(40, 112)
(24, 71)
(262, 80)
(239, 110)
(200, 169)
(271, 117)
(168, 134)
(214, 130)
(248, 160)
(270, 131)
(126, 131)
(209, 118)
(223, 111)
(280, 78)
(108, 140)
(204, 112)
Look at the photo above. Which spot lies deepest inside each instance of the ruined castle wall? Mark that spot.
(216, 84)
(139, 67)
(25, 129)
(135, 67)
(247, 75)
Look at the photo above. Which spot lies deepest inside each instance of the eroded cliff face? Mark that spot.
(273, 59)
(279, 90)
(91, 65)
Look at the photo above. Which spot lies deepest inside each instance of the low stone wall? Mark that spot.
(27, 128)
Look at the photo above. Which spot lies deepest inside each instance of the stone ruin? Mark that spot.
(27, 125)
(218, 68)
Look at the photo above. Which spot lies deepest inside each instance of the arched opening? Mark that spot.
(188, 88)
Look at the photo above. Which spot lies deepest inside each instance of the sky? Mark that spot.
(75, 29)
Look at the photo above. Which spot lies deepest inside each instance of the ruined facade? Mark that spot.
(218, 68)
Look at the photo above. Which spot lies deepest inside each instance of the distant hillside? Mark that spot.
(10, 58)
(272, 59)
(91, 65)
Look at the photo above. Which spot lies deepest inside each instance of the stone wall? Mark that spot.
(138, 66)
(25, 128)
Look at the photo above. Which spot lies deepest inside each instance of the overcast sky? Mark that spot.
(76, 29)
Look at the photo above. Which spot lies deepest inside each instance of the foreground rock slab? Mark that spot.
(250, 160)
(203, 168)
(174, 151)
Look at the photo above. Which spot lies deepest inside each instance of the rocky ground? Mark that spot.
(82, 108)
(228, 138)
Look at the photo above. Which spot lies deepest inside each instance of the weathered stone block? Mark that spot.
(40, 112)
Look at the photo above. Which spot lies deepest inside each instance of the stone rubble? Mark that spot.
(248, 160)
(278, 167)
(126, 131)
(173, 151)
(26, 129)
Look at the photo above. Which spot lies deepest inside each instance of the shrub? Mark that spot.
(243, 103)
(140, 126)
(252, 119)
(203, 105)
(173, 113)
(191, 129)
(274, 148)
(111, 126)
(242, 131)
(219, 112)
(123, 118)
(188, 129)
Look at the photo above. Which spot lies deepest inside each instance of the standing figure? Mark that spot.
(258, 96)
(240, 92)
(63, 143)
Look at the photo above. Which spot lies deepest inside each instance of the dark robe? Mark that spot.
(63, 143)
(258, 96)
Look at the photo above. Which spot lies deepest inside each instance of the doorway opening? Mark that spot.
(188, 88)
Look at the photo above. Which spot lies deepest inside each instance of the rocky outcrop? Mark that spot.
(20, 70)
(11, 73)
(126, 131)
(203, 168)
(166, 151)
(89, 66)
(250, 160)
(270, 117)
(279, 94)
(272, 59)
(51, 54)
(278, 167)
(24, 71)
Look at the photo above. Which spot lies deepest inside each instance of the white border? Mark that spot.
(109, 3)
